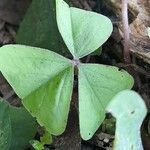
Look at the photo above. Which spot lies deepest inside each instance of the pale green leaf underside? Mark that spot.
(43, 79)
(97, 86)
(83, 31)
(130, 110)
(51, 102)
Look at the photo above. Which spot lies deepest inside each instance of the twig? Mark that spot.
(125, 21)
(85, 5)
(135, 68)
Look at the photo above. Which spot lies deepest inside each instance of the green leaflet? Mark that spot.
(130, 110)
(27, 68)
(17, 127)
(98, 84)
(45, 139)
(43, 79)
(37, 145)
(83, 31)
(51, 102)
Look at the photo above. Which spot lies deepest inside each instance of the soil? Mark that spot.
(11, 14)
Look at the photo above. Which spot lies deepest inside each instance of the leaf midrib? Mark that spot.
(97, 97)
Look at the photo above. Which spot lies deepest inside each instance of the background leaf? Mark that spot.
(130, 110)
(83, 31)
(41, 18)
(43, 79)
(23, 128)
(17, 127)
(5, 126)
(97, 86)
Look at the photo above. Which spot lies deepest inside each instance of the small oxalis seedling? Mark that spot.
(44, 79)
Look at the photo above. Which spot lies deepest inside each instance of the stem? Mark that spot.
(70, 139)
(76, 62)
(125, 21)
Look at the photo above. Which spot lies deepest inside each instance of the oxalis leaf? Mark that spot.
(45, 139)
(130, 110)
(98, 84)
(83, 31)
(43, 79)
(17, 127)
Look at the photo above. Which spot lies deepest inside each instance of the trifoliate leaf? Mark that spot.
(129, 110)
(83, 31)
(98, 84)
(43, 79)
